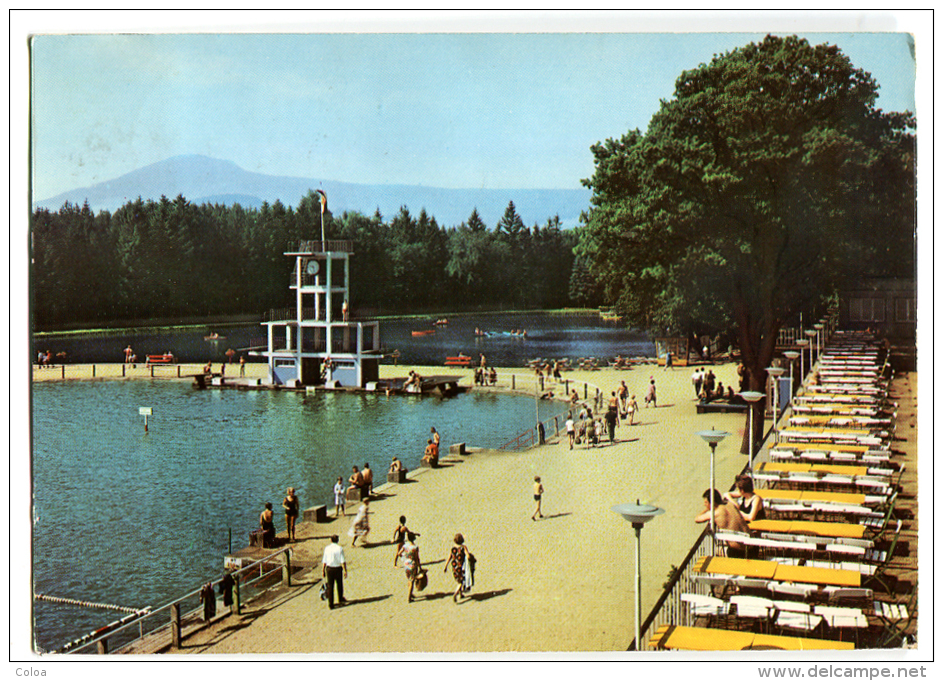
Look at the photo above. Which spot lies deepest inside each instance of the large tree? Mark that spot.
(756, 190)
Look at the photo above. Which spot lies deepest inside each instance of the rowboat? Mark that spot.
(424, 332)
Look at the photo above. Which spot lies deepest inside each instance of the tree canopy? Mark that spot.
(764, 183)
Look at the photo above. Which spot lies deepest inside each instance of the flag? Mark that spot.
(323, 197)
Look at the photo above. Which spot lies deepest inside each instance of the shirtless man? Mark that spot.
(726, 517)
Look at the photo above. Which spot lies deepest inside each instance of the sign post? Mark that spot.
(145, 412)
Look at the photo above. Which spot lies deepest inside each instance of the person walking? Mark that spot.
(697, 378)
(242, 366)
(631, 409)
(411, 563)
(570, 429)
(339, 498)
(334, 570)
(459, 555)
(538, 494)
(399, 537)
(360, 528)
(612, 418)
(650, 397)
(291, 505)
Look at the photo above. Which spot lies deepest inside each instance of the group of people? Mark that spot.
(703, 381)
(47, 359)
(431, 453)
(460, 561)
(360, 479)
(292, 506)
(414, 380)
(484, 376)
(734, 511)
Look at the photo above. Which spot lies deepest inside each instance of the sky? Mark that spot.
(493, 110)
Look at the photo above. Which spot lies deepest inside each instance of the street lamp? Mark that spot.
(638, 514)
(820, 336)
(713, 438)
(791, 355)
(802, 344)
(775, 372)
(811, 333)
(752, 398)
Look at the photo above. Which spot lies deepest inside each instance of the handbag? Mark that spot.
(422, 580)
(323, 592)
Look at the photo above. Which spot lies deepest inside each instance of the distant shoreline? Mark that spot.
(242, 320)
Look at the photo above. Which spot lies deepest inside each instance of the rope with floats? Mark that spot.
(90, 604)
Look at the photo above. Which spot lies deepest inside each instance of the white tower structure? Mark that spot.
(315, 343)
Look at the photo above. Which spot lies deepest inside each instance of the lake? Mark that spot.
(137, 519)
(548, 336)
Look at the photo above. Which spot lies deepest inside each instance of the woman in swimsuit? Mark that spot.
(267, 525)
(749, 503)
(290, 504)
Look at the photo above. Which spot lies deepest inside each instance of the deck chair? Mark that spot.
(895, 618)
(705, 606)
(789, 589)
(796, 616)
(880, 573)
(754, 610)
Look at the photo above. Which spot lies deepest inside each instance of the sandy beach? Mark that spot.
(563, 583)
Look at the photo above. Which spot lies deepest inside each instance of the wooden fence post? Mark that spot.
(236, 600)
(175, 625)
(286, 570)
(93, 371)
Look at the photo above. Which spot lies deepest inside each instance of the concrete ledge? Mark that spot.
(458, 448)
(396, 476)
(315, 514)
(354, 494)
(429, 464)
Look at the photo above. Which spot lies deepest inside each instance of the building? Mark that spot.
(315, 343)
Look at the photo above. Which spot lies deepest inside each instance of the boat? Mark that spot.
(424, 332)
(214, 337)
(440, 322)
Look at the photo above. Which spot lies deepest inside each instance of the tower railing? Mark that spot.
(326, 246)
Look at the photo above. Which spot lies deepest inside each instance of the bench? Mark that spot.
(315, 514)
(160, 359)
(720, 407)
(396, 476)
(460, 361)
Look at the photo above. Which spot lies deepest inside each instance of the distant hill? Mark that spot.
(207, 180)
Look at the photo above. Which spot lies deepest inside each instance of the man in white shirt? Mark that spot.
(570, 429)
(334, 569)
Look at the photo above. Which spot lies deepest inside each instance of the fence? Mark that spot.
(543, 387)
(168, 625)
(669, 608)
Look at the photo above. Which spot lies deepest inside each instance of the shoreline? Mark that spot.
(526, 578)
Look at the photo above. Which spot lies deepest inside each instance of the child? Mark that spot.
(339, 497)
(538, 492)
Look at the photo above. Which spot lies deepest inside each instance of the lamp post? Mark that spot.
(810, 333)
(638, 514)
(819, 336)
(752, 398)
(775, 372)
(791, 355)
(802, 344)
(713, 438)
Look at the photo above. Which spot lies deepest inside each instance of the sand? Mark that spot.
(563, 583)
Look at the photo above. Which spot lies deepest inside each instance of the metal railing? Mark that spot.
(326, 246)
(669, 608)
(542, 387)
(168, 625)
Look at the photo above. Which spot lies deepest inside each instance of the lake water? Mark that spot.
(548, 336)
(138, 519)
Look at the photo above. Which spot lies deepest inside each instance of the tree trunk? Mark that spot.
(757, 347)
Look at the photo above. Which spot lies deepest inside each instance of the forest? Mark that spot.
(173, 260)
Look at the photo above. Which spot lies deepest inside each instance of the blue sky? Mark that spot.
(491, 110)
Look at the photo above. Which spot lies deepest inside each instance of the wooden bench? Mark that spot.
(315, 514)
(160, 359)
(460, 361)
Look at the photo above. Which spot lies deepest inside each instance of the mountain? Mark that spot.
(201, 179)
